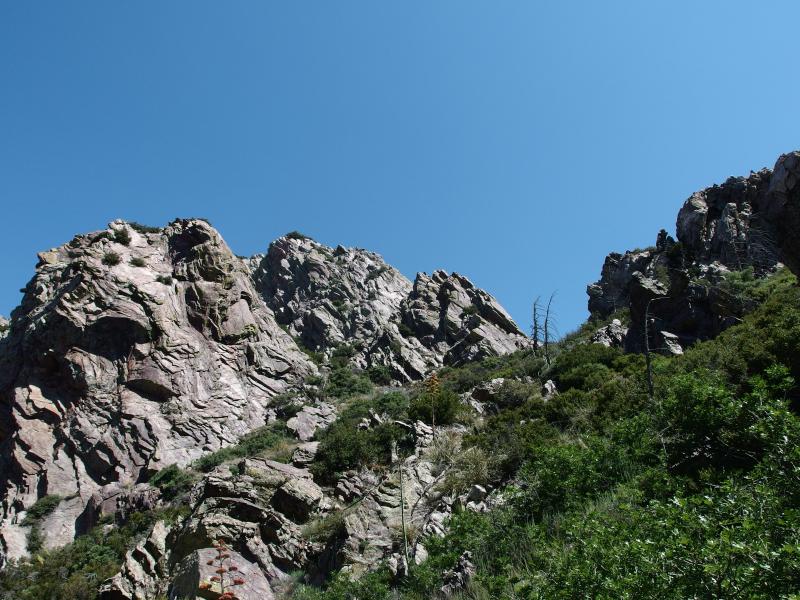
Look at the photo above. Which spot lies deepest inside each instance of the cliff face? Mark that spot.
(327, 297)
(747, 222)
(137, 348)
(131, 351)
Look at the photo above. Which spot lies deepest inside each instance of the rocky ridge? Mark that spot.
(745, 223)
(136, 348)
(277, 521)
(327, 297)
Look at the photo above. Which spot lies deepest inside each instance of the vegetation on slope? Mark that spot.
(695, 494)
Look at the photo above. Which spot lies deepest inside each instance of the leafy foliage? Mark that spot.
(122, 236)
(74, 571)
(111, 259)
(252, 444)
(173, 481)
(345, 445)
(143, 228)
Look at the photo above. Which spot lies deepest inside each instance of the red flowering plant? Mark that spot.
(226, 575)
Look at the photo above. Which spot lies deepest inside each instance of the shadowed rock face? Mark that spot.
(326, 297)
(130, 351)
(745, 222)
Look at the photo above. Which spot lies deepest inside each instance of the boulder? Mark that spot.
(297, 499)
(310, 419)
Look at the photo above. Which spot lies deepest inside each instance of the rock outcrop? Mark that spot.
(745, 223)
(257, 510)
(327, 297)
(131, 350)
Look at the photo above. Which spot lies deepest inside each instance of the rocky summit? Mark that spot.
(327, 297)
(136, 348)
(179, 422)
(747, 223)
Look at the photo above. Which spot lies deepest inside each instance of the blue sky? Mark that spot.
(515, 142)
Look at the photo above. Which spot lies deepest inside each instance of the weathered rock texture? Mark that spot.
(257, 510)
(130, 351)
(135, 348)
(747, 222)
(327, 297)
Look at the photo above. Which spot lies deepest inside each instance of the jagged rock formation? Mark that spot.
(130, 351)
(267, 513)
(258, 511)
(747, 222)
(135, 348)
(327, 297)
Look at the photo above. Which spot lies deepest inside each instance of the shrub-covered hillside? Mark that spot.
(609, 493)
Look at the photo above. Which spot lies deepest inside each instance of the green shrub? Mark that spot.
(165, 279)
(41, 508)
(440, 408)
(144, 228)
(296, 235)
(470, 309)
(122, 236)
(375, 273)
(344, 383)
(76, 570)
(137, 262)
(173, 482)
(380, 374)
(111, 259)
(251, 444)
(344, 445)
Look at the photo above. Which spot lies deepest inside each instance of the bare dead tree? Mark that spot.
(536, 327)
(547, 328)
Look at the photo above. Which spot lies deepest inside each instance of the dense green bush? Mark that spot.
(137, 262)
(173, 481)
(343, 382)
(440, 408)
(144, 228)
(251, 444)
(75, 571)
(122, 236)
(345, 445)
(693, 495)
(111, 259)
(41, 508)
(380, 374)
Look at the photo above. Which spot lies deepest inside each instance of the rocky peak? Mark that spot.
(747, 222)
(133, 348)
(326, 297)
(451, 316)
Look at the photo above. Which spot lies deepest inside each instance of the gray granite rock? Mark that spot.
(130, 352)
(746, 222)
(327, 297)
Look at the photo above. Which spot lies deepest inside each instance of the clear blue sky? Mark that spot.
(515, 142)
